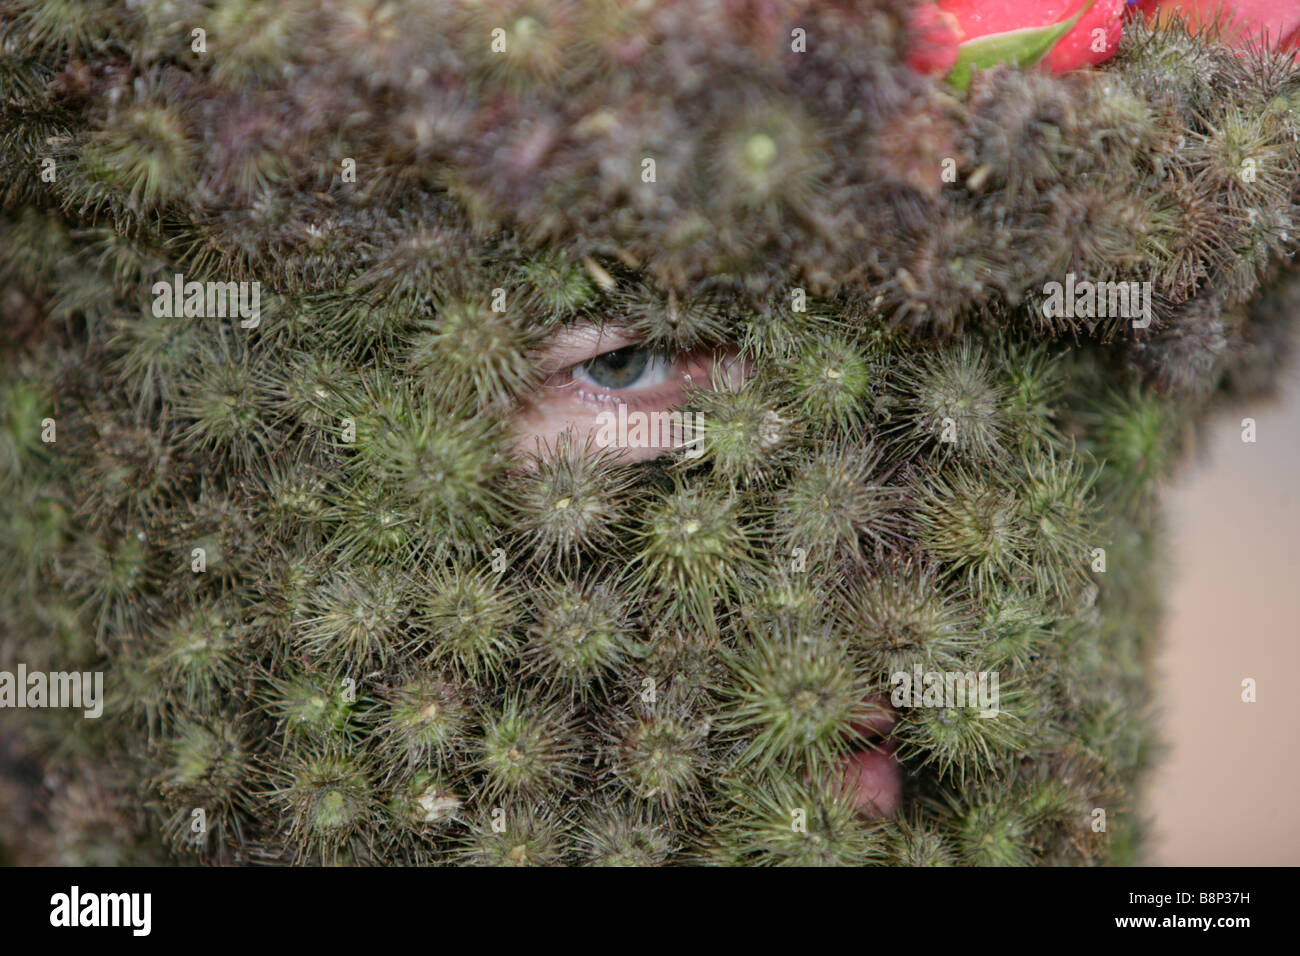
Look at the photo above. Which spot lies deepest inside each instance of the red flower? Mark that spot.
(1060, 34)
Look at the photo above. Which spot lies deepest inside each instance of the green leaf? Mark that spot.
(1022, 47)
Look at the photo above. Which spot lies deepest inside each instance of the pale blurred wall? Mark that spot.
(1227, 790)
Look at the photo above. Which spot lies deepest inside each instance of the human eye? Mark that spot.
(621, 370)
(596, 377)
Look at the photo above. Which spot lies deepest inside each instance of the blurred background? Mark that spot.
(1225, 792)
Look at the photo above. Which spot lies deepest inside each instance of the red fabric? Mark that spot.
(979, 18)
(1246, 23)
(940, 27)
(984, 17)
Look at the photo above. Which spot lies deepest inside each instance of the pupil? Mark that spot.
(620, 368)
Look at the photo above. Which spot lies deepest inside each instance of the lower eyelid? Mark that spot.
(665, 395)
(660, 396)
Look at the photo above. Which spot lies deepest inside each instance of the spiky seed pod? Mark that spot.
(992, 832)
(207, 765)
(951, 403)
(444, 469)
(283, 586)
(742, 434)
(690, 552)
(973, 523)
(1102, 234)
(657, 748)
(530, 836)
(833, 381)
(357, 617)
(536, 42)
(472, 354)
(530, 747)
(782, 320)
(315, 392)
(26, 78)
(226, 403)
(573, 501)
(1178, 245)
(1034, 382)
(145, 152)
(666, 319)
(311, 706)
(687, 661)
(966, 740)
(1241, 158)
(249, 162)
(352, 325)
(470, 616)
(421, 267)
(329, 802)
(1056, 499)
(62, 25)
(796, 695)
(765, 161)
(944, 271)
(555, 288)
(254, 37)
(426, 720)
(1135, 437)
(151, 355)
(582, 633)
(1197, 240)
(294, 496)
(1121, 126)
(1185, 358)
(1016, 628)
(1054, 802)
(790, 589)
(217, 528)
(1261, 237)
(1169, 62)
(623, 835)
(132, 471)
(915, 844)
(369, 524)
(657, 761)
(903, 617)
(840, 501)
(115, 576)
(780, 821)
(211, 757)
(1022, 127)
(197, 653)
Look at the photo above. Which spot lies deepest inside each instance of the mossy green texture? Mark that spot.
(333, 613)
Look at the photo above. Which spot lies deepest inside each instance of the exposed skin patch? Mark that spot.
(573, 394)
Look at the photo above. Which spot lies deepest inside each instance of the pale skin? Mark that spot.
(590, 369)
